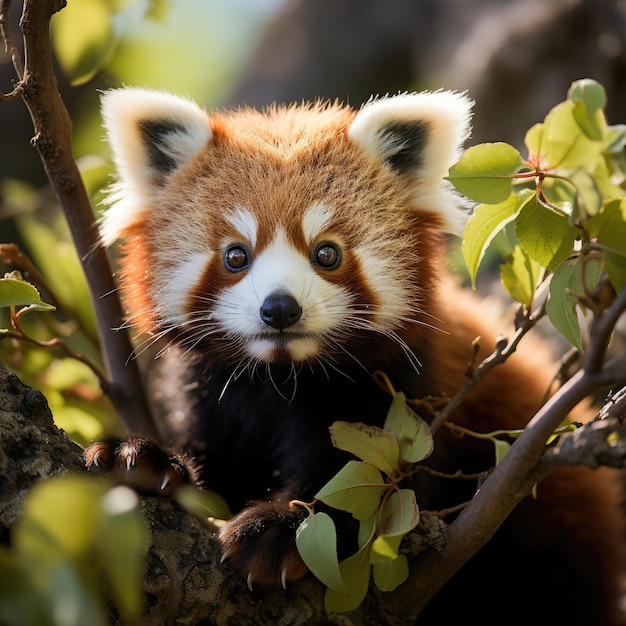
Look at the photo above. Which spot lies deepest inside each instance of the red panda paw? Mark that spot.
(140, 463)
(260, 543)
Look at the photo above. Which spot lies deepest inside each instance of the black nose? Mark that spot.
(280, 310)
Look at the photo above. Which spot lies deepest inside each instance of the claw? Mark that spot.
(283, 578)
(127, 451)
(94, 459)
(166, 481)
(249, 581)
(226, 555)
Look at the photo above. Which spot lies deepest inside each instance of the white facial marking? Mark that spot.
(178, 285)
(315, 220)
(245, 223)
(393, 292)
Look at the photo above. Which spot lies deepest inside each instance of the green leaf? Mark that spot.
(615, 138)
(371, 444)
(578, 195)
(614, 144)
(611, 235)
(65, 549)
(47, 531)
(547, 238)
(501, 448)
(399, 515)
(485, 223)
(78, 423)
(83, 39)
(51, 540)
(561, 305)
(20, 601)
(520, 275)
(356, 488)
(355, 571)
(563, 143)
(411, 431)
(588, 91)
(533, 141)
(17, 292)
(158, 10)
(385, 548)
(485, 172)
(316, 539)
(68, 373)
(388, 574)
(121, 541)
(609, 174)
(367, 528)
(67, 595)
(589, 99)
(203, 504)
(565, 286)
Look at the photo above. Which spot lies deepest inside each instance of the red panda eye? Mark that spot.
(236, 257)
(327, 255)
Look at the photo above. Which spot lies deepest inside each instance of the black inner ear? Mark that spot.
(405, 143)
(154, 134)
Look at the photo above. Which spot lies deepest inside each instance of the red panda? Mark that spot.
(281, 258)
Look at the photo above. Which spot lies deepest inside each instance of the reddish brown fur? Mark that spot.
(136, 279)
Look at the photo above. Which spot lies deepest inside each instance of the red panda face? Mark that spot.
(285, 304)
(304, 234)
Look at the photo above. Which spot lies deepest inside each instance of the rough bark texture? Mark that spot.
(31, 446)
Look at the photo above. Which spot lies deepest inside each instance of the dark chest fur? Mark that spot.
(257, 434)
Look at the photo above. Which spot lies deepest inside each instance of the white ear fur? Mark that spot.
(421, 135)
(151, 134)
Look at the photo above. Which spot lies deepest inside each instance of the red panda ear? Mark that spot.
(419, 135)
(151, 135)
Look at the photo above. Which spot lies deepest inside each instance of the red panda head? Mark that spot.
(299, 234)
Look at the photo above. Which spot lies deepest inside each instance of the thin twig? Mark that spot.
(503, 350)
(615, 406)
(601, 331)
(12, 51)
(9, 46)
(63, 346)
(17, 93)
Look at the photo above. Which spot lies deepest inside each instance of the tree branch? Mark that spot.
(585, 446)
(522, 466)
(52, 126)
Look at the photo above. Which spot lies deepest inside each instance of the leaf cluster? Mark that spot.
(369, 489)
(559, 214)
